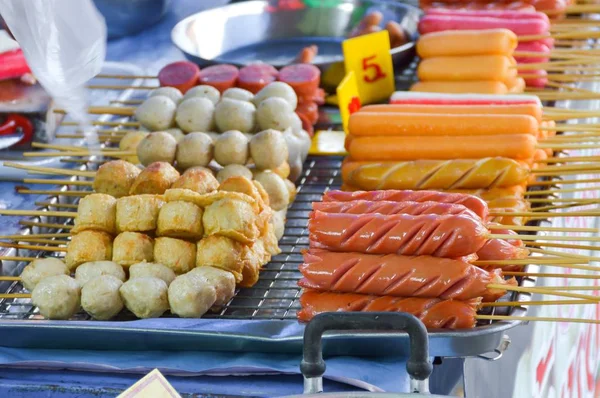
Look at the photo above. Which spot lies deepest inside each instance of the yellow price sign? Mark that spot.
(369, 58)
(348, 98)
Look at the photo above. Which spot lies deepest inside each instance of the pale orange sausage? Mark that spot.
(439, 124)
(467, 42)
(467, 68)
(469, 87)
(509, 109)
(516, 146)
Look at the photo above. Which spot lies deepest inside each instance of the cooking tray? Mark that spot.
(258, 319)
(259, 30)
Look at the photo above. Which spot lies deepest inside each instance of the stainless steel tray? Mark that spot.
(259, 319)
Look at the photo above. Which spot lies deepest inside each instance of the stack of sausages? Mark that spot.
(401, 251)
(468, 61)
(554, 8)
(303, 78)
(479, 144)
(521, 23)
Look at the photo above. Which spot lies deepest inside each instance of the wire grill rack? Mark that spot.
(275, 296)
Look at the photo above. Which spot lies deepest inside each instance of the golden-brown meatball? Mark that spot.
(177, 254)
(132, 247)
(199, 180)
(154, 179)
(138, 213)
(270, 240)
(115, 178)
(155, 270)
(222, 281)
(195, 149)
(245, 186)
(88, 271)
(221, 252)
(279, 194)
(97, 212)
(182, 195)
(233, 218)
(158, 146)
(254, 258)
(180, 220)
(88, 246)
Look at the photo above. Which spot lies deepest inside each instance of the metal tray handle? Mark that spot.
(418, 366)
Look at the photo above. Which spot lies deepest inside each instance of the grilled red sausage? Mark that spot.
(433, 312)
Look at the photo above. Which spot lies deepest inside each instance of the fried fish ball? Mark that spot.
(274, 113)
(291, 189)
(156, 113)
(42, 268)
(263, 194)
(203, 91)
(173, 93)
(270, 241)
(57, 297)
(283, 170)
(115, 178)
(221, 252)
(97, 212)
(199, 180)
(130, 142)
(157, 147)
(88, 271)
(146, 297)
(232, 114)
(231, 217)
(132, 247)
(280, 90)
(238, 94)
(100, 297)
(88, 246)
(247, 187)
(279, 195)
(155, 270)
(180, 220)
(233, 170)
(195, 149)
(195, 114)
(182, 195)
(138, 213)
(278, 222)
(222, 281)
(191, 297)
(231, 148)
(154, 179)
(268, 149)
(254, 257)
(175, 133)
(177, 254)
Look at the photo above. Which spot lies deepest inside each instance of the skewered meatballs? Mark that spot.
(171, 92)
(231, 148)
(42, 268)
(195, 114)
(231, 217)
(232, 114)
(268, 149)
(88, 271)
(154, 179)
(115, 178)
(57, 297)
(100, 297)
(88, 246)
(156, 113)
(238, 94)
(130, 142)
(233, 170)
(191, 297)
(154, 270)
(132, 247)
(280, 90)
(157, 147)
(146, 297)
(177, 254)
(279, 195)
(138, 213)
(223, 282)
(200, 180)
(203, 91)
(195, 149)
(180, 220)
(98, 212)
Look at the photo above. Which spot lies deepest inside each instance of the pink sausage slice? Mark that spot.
(182, 75)
(256, 76)
(221, 77)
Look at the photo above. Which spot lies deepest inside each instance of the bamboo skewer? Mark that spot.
(557, 191)
(68, 214)
(103, 123)
(113, 154)
(33, 247)
(532, 260)
(540, 214)
(568, 159)
(37, 236)
(562, 254)
(564, 246)
(546, 229)
(15, 295)
(545, 291)
(571, 288)
(549, 275)
(16, 258)
(106, 110)
(63, 205)
(534, 318)
(559, 207)
(546, 237)
(564, 182)
(38, 224)
(120, 87)
(533, 302)
(51, 242)
(51, 170)
(10, 278)
(57, 182)
(54, 192)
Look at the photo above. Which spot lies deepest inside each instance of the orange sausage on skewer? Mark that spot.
(467, 87)
(508, 109)
(467, 42)
(467, 68)
(382, 148)
(438, 124)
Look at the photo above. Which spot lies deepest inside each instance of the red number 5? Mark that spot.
(377, 72)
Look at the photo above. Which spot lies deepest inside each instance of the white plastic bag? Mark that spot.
(64, 42)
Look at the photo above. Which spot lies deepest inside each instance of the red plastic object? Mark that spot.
(13, 65)
(182, 75)
(13, 122)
